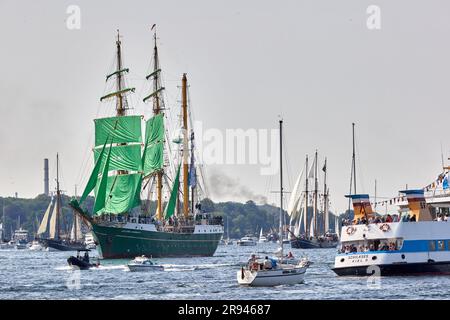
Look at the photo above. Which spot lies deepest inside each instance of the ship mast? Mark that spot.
(119, 104)
(316, 187)
(281, 187)
(325, 200)
(58, 199)
(353, 171)
(156, 111)
(306, 201)
(185, 149)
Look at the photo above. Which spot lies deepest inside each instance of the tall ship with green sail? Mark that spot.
(147, 186)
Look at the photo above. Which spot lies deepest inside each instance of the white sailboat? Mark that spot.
(271, 272)
(262, 238)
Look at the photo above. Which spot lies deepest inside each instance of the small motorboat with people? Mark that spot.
(143, 263)
(247, 241)
(82, 260)
(269, 271)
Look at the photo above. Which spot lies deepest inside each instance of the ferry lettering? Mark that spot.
(187, 310)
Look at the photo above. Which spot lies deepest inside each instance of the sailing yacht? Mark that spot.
(262, 238)
(317, 233)
(271, 272)
(49, 232)
(129, 167)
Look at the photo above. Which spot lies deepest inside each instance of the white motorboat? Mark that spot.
(247, 241)
(89, 241)
(273, 272)
(36, 246)
(143, 263)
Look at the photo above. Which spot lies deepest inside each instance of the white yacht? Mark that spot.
(36, 246)
(247, 241)
(143, 263)
(20, 239)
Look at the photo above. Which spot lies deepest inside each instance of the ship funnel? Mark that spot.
(46, 185)
(361, 206)
(417, 204)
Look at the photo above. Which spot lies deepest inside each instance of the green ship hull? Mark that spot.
(118, 243)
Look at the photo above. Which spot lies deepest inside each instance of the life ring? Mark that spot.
(350, 230)
(385, 227)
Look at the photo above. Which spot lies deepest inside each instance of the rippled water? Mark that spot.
(28, 274)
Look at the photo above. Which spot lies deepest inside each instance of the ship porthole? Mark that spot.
(342, 260)
(403, 256)
(374, 258)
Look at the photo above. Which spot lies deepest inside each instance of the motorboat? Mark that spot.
(82, 260)
(36, 246)
(247, 241)
(143, 263)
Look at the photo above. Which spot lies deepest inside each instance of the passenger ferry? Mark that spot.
(415, 246)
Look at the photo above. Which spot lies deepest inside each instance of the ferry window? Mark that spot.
(432, 245)
(441, 245)
(448, 245)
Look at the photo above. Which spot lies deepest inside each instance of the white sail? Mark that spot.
(311, 229)
(260, 234)
(44, 223)
(75, 232)
(295, 195)
(327, 216)
(52, 233)
(337, 227)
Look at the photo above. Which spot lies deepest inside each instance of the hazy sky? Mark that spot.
(314, 62)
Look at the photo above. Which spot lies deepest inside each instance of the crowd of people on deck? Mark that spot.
(392, 218)
(352, 248)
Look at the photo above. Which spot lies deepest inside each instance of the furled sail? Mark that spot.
(118, 130)
(153, 156)
(44, 223)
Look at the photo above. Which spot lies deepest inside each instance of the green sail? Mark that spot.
(125, 157)
(170, 209)
(100, 194)
(153, 157)
(122, 193)
(119, 129)
(94, 176)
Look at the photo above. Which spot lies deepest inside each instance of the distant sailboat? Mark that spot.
(262, 238)
(316, 232)
(49, 233)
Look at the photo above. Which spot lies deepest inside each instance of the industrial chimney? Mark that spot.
(46, 188)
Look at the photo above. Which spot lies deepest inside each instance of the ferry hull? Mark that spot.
(405, 269)
(118, 243)
(61, 246)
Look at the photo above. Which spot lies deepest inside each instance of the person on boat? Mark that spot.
(267, 263)
(389, 218)
(86, 257)
(413, 218)
(290, 255)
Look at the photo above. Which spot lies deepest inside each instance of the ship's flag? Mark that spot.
(445, 183)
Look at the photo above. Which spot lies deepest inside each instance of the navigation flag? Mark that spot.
(445, 183)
